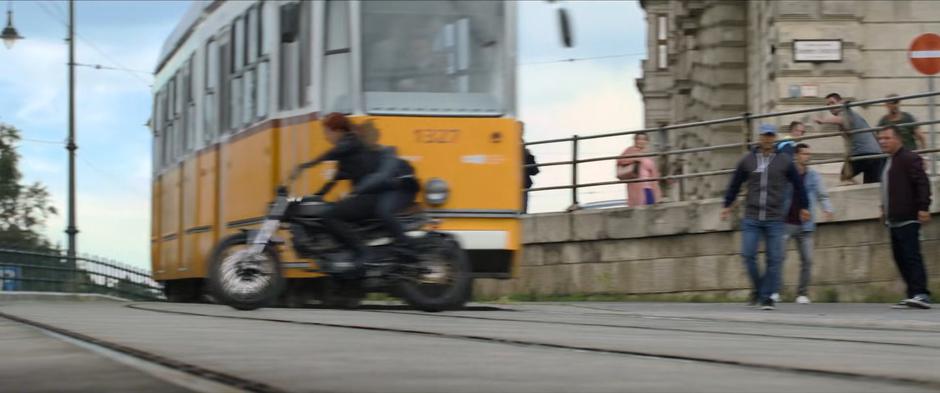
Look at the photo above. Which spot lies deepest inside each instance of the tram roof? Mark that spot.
(198, 9)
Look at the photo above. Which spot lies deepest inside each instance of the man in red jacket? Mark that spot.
(905, 206)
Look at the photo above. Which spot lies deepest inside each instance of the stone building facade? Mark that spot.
(712, 59)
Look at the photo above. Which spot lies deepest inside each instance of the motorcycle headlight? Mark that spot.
(436, 191)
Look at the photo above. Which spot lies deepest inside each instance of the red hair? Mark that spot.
(337, 122)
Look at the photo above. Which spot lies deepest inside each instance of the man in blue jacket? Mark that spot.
(767, 174)
(802, 230)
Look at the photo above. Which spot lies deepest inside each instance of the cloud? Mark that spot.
(111, 226)
(555, 100)
(589, 99)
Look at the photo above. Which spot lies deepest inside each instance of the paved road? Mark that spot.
(557, 347)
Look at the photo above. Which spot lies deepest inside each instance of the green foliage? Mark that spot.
(24, 208)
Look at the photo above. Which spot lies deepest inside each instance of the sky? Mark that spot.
(556, 99)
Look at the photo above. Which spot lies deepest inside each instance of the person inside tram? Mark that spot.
(382, 183)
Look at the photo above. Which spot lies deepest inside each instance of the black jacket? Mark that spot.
(393, 173)
(908, 187)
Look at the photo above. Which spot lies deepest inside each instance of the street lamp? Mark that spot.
(9, 35)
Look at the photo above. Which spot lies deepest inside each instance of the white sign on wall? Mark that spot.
(817, 50)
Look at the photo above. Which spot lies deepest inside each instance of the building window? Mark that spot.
(661, 28)
(662, 46)
(663, 53)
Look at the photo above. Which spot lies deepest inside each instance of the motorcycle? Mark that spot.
(245, 268)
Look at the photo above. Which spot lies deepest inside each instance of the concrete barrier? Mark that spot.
(683, 251)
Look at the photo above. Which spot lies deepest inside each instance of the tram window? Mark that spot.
(190, 108)
(248, 94)
(263, 44)
(433, 57)
(157, 119)
(262, 88)
(238, 58)
(225, 90)
(166, 102)
(337, 81)
(180, 115)
(305, 53)
(251, 24)
(235, 102)
(290, 45)
(210, 103)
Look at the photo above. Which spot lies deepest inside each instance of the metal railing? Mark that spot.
(744, 145)
(54, 272)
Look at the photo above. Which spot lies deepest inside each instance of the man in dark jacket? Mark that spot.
(767, 174)
(905, 206)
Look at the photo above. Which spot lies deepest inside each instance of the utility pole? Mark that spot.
(72, 230)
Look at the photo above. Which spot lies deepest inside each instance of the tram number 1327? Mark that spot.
(436, 136)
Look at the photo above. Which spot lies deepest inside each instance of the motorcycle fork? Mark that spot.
(269, 227)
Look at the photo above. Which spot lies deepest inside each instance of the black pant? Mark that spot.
(525, 201)
(871, 168)
(905, 243)
(337, 219)
(389, 204)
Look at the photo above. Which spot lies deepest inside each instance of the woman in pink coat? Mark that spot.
(639, 193)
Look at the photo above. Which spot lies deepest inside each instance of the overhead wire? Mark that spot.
(56, 13)
(577, 59)
(110, 177)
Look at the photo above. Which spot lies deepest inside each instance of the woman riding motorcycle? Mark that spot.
(383, 185)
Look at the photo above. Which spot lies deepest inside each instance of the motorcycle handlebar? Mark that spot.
(283, 189)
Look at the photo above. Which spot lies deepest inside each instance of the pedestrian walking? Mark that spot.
(767, 174)
(639, 193)
(802, 230)
(905, 207)
(861, 144)
(911, 136)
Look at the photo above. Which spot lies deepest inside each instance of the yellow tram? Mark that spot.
(239, 89)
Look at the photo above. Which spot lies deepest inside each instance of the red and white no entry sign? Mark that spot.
(925, 53)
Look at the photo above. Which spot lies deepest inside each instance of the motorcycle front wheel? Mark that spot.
(242, 280)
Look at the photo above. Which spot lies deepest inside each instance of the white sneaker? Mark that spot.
(802, 300)
(775, 297)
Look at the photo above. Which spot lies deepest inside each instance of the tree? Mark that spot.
(23, 208)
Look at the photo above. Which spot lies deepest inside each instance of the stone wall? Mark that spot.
(683, 249)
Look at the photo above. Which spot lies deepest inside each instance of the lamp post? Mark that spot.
(9, 37)
(9, 34)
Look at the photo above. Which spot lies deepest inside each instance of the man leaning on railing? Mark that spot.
(860, 144)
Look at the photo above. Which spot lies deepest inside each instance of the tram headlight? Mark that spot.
(436, 191)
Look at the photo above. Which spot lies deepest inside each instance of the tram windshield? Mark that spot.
(442, 57)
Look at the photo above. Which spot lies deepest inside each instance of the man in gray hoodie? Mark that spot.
(767, 175)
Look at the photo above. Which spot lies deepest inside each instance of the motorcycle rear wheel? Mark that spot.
(446, 283)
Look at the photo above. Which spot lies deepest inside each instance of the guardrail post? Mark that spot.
(667, 170)
(574, 170)
(748, 135)
(933, 131)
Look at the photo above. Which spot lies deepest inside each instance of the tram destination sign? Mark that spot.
(817, 50)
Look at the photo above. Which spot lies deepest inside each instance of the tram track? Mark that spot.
(566, 347)
(740, 321)
(236, 383)
(671, 329)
